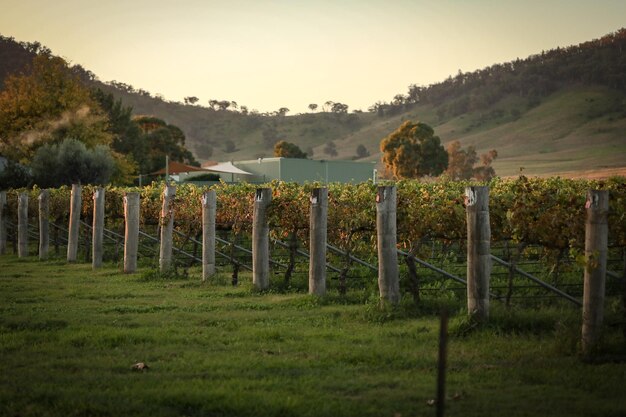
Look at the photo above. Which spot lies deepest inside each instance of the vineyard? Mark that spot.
(537, 232)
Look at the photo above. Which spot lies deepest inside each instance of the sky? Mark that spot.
(291, 53)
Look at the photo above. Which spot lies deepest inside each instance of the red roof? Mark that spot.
(177, 168)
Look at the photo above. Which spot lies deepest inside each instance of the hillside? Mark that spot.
(558, 111)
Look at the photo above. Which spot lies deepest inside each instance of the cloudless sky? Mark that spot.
(289, 53)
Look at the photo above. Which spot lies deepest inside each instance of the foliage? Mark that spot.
(15, 175)
(288, 150)
(70, 162)
(461, 163)
(413, 151)
(361, 151)
(47, 105)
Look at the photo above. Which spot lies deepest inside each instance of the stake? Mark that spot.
(478, 252)
(209, 205)
(388, 276)
(98, 228)
(44, 224)
(318, 236)
(596, 248)
(72, 237)
(261, 239)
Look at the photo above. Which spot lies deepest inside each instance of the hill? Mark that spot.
(562, 110)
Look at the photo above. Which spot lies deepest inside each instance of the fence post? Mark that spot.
(478, 252)
(98, 228)
(209, 203)
(388, 275)
(167, 228)
(261, 239)
(3, 224)
(596, 247)
(44, 223)
(131, 233)
(72, 238)
(318, 236)
(22, 225)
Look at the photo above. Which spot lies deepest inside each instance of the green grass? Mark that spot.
(68, 338)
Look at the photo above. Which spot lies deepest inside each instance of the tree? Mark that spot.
(288, 150)
(70, 162)
(312, 106)
(361, 151)
(461, 163)
(45, 105)
(282, 111)
(330, 148)
(485, 172)
(191, 100)
(413, 151)
(15, 175)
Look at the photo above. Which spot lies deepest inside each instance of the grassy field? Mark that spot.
(68, 338)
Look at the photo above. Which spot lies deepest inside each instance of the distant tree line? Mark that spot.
(597, 62)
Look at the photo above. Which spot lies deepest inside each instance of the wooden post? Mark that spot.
(261, 240)
(3, 223)
(167, 228)
(44, 224)
(478, 252)
(22, 225)
(98, 228)
(388, 275)
(131, 234)
(318, 235)
(209, 204)
(596, 248)
(72, 238)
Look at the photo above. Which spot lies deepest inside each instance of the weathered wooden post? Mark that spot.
(167, 228)
(596, 248)
(22, 225)
(478, 252)
(131, 233)
(388, 275)
(72, 238)
(3, 224)
(98, 228)
(209, 204)
(318, 235)
(44, 223)
(261, 239)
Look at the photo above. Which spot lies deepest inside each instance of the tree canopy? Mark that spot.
(462, 163)
(288, 150)
(413, 151)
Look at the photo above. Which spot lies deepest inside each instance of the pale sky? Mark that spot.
(280, 53)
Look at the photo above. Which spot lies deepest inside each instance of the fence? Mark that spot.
(485, 280)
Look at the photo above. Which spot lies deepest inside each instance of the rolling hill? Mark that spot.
(560, 111)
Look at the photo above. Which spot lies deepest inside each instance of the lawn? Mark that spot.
(69, 336)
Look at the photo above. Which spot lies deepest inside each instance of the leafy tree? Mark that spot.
(485, 172)
(45, 105)
(282, 111)
(312, 106)
(330, 148)
(191, 100)
(288, 150)
(71, 162)
(361, 151)
(161, 139)
(461, 163)
(14, 175)
(413, 151)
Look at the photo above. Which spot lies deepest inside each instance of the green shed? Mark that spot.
(306, 170)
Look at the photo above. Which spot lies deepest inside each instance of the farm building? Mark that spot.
(305, 170)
